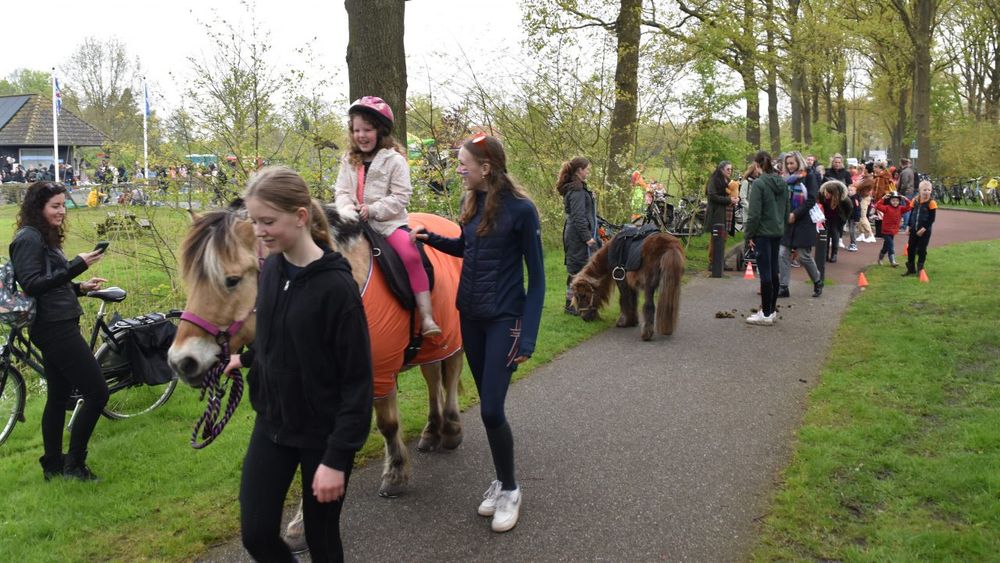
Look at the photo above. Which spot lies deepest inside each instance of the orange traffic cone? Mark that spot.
(906, 249)
(748, 275)
(862, 281)
(923, 276)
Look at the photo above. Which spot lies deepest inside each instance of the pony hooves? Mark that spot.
(428, 443)
(391, 490)
(647, 335)
(451, 441)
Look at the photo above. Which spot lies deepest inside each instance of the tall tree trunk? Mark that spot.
(748, 72)
(828, 101)
(773, 124)
(625, 112)
(376, 57)
(841, 113)
(922, 82)
(752, 93)
(795, 88)
(897, 149)
(807, 136)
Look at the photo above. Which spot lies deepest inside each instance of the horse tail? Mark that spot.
(669, 303)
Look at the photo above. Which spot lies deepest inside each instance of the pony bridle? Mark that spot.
(593, 297)
(213, 384)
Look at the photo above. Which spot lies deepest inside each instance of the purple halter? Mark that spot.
(213, 384)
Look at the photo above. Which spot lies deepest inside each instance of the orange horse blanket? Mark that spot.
(389, 324)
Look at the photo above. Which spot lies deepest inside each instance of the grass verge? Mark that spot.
(899, 455)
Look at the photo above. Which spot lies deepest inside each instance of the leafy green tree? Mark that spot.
(27, 81)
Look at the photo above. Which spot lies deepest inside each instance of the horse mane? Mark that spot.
(345, 228)
(208, 247)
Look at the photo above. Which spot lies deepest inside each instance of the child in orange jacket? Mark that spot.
(892, 208)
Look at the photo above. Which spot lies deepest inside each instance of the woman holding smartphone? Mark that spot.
(43, 272)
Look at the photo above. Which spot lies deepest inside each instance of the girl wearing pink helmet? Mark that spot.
(374, 182)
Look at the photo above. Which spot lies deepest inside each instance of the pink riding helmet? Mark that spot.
(375, 106)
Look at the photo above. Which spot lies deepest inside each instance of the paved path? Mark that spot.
(630, 450)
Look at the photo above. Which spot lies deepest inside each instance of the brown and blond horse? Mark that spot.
(219, 266)
(662, 268)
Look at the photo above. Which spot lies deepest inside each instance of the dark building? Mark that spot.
(26, 131)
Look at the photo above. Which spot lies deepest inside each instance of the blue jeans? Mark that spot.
(888, 246)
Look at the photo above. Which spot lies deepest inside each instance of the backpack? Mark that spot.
(17, 309)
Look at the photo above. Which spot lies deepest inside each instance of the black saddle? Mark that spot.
(399, 282)
(625, 250)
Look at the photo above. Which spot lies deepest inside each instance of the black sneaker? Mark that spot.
(818, 288)
(77, 469)
(52, 467)
(783, 291)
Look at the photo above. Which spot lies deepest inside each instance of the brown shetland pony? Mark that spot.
(219, 265)
(662, 268)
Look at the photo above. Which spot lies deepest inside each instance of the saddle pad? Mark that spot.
(389, 323)
(392, 267)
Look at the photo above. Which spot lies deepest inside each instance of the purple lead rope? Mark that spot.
(215, 387)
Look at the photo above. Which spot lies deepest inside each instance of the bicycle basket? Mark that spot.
(17, 309)
(146, 340)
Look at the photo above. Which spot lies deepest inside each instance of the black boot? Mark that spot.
(569, 309)
(76, 468)
(783, 291)
(833, 258)
(909, 270)
(52, 466)
(818, 288)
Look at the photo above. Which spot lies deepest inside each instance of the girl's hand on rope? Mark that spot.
(234, 363)
(418, 233)
(328, 484)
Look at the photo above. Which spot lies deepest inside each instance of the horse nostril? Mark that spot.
(186, 366)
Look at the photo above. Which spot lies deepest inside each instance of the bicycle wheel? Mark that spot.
(11, 400)
(130, 396)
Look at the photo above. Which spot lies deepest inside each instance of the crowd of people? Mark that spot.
(13, 171)
(792, 198)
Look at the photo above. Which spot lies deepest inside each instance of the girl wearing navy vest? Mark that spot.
(500, 232)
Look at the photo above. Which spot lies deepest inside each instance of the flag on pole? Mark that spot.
(145, 91)
(58, 97)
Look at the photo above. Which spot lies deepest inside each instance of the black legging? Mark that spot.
(490, 348)
(917, 248)
(767, 268)
(69, 364)
(268, 471)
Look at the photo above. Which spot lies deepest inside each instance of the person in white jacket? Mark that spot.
(374, 182)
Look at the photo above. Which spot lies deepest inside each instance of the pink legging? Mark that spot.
(400, 242)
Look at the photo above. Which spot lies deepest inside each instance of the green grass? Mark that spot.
(899, 455)
(971, 207)
(160, 499)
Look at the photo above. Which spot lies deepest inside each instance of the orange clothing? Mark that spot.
(389, 323)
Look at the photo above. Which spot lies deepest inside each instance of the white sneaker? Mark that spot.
(489, 504)
(759, 318)
(842, 244)
(508, 508)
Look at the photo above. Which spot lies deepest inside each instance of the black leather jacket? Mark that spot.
(43, 273)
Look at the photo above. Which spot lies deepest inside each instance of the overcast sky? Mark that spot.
(164, 34)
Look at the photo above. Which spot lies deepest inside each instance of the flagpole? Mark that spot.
(55, 126)
(145, 143)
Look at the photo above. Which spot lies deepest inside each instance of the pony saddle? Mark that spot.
(625, 250)
(393, 269)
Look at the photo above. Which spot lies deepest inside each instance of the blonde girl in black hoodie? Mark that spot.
(311, 375)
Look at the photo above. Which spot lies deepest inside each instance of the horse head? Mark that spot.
(587, 298)
(219, 267)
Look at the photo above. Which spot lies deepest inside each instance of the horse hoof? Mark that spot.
(450, 442)
(428, 443)
(389, 490)
(647, 335)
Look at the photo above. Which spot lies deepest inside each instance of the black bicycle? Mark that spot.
(133, 392)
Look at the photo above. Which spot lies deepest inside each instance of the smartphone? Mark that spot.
(102, 246)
